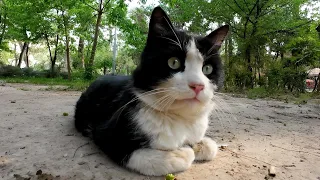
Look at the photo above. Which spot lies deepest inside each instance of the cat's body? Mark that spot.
(154, 122)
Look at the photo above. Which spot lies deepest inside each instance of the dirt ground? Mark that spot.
(37, 136)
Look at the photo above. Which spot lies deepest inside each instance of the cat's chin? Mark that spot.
(191, 100)
(189, 104)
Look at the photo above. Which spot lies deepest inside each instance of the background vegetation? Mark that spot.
(269, 50)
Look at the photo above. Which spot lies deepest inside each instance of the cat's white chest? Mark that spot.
(167, 133)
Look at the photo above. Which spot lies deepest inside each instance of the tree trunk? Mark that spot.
(95, 39)
(3, 30)
(65, 22)
(26, 57)
(80, 51)
(281, 55)
(48, 45)
(21, 53)
(55, 54)
(114, 51)
(54, 57)
(15, 55)
(230, 49)
(68, 56)
(104, 70)
(248, 58)
(318, 83)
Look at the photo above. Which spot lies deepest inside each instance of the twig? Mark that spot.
(89, 6)
(89, 154)
(79, 148)
(249, 157)
(294, 150)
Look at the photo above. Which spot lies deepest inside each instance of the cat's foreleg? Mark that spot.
(155, 162)
(205, 150)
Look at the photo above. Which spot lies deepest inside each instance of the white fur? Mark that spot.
(205, 150)
(174, 123)
(154, 162)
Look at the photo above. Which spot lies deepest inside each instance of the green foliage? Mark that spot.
(73, 85)
(255, 93)
(269, 49)
(10, 71)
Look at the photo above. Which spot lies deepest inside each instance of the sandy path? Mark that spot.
(35, 135)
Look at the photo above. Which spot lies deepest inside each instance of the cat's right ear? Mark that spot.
(159, 22)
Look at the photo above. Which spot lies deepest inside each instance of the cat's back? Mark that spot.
(100, 99)
(107, 85)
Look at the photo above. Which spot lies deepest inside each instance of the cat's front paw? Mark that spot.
(205, 150)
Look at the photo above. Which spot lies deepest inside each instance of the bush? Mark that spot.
(13, 71)
(257, 93)
(10, 71)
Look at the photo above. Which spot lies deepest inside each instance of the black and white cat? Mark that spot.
(154, 122)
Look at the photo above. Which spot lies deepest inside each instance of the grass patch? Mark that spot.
(257, 93)
(24, 89)
(262, 93)
(73, 85)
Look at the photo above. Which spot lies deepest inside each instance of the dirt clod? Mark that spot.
(272, 171)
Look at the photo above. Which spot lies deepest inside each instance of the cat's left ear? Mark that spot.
(218, 36)
(159, 22)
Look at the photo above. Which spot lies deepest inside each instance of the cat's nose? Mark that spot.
(196, 87)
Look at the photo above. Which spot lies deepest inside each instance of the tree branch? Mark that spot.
(247, 5)
(287, 30)
(103, 9)
(271, 10)
(89, 6)
(235, 1)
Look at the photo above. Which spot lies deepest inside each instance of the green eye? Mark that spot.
(207, 69)
(174, 63)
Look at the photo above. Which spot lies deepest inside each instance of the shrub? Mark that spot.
(10, 71)
(259, 92)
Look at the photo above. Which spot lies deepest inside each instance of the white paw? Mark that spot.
(205, 150)
(180, 159)
(154, 162)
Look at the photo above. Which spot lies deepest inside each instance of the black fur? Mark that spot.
(115, 135)
(98, 112)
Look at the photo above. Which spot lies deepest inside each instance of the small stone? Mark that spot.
(13, 101)
(81, 163)
(65, 155)
(272, 171)
(39, 172)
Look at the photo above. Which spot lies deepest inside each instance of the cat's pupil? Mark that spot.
(207, 69)
(174, 63)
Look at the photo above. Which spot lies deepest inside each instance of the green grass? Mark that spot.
(296, 98)
(257, 93)
(287, 97)
(73, 85)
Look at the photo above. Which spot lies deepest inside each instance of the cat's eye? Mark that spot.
(207, 69)
(174, 63)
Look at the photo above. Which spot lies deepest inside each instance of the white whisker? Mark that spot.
(207, 57)
(172, 41)
(173, 32)
(148, 93)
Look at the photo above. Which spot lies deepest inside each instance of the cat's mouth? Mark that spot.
(192, 100)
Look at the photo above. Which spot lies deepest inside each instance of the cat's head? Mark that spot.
(177, 70)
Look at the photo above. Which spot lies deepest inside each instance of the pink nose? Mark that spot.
(196, 87)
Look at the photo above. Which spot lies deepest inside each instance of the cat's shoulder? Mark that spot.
(109, 84)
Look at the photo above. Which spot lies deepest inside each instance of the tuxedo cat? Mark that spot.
(154, 122)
